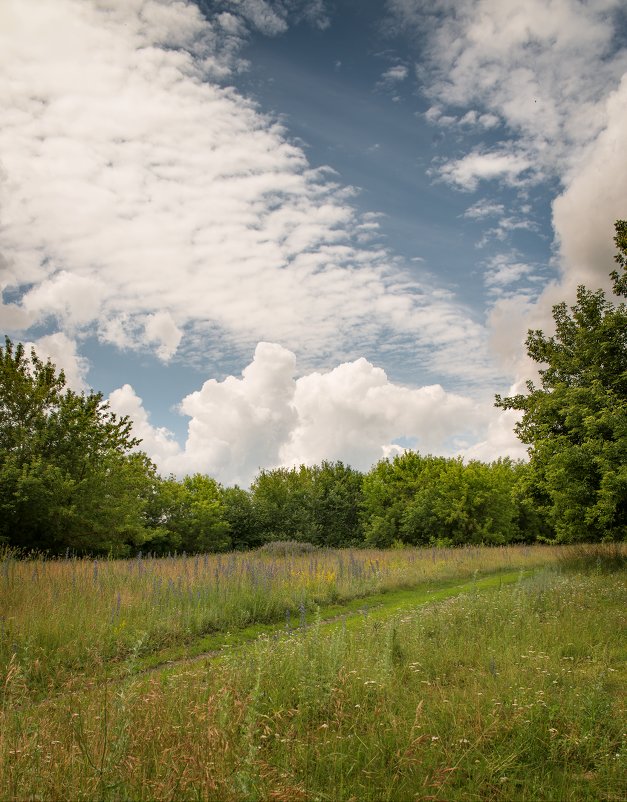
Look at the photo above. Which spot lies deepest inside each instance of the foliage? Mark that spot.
(281, 501)
(417, 500)
(69, 478)
(319, 504)
(191, 516)
(241, 517)
(335, 504)
(575, 422)
(620, 240)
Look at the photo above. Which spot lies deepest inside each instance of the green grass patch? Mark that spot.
(66, 619)
(513, 692)
(376, 606)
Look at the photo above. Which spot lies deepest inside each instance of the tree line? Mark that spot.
(72, 479)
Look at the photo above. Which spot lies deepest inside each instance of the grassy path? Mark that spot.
(378, 606)
(511, 686)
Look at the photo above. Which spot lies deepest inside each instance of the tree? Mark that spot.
(620, 240)
(282, 504)
(575, 423)
(418, 500)
(240, 514)
(69, 474)
(388, 489)
(335, 504)
(191, 516)
(458, 504)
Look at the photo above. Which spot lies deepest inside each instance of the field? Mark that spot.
(474, 674)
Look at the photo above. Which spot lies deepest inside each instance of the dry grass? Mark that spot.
(514, 694)
(65, 618)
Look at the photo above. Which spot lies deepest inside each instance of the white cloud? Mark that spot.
(500, 440)
(503, 270)
(269, 418)
(62, 352)
(467, 172)
(162, 329)
(395, 74)
(554, 74)
(594, 197)
(261, 14)
(435, 115)
(484, 208)
(354, 413)
(71, 298)
(474, 119)
(157, 441)
(145, 203)
(543, 67)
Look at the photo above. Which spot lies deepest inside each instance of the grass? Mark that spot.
(63, 619)
(507, 691)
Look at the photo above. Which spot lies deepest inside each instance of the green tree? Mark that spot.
(388, 489)
(190, 516)
(69, 475)
(240, 514)
(620, 277)
(458, 504)
(282, 503)
(335, 504)
(575, 422)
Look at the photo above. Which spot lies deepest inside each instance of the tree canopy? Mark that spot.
(69, 475)
(575, 422)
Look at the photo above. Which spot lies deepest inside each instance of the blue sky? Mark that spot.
(281, 231)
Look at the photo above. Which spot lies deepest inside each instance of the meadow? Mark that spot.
(507, 690)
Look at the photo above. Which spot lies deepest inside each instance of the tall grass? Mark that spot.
(513, 694)
(63, 618)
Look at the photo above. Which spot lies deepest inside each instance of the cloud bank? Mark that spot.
(269, 418)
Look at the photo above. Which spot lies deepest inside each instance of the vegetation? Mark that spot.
(73, 481)
(69, 478)
(515, 692)
(576, 422)
(62, 618)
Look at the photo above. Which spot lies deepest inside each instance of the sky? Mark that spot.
(275, 232)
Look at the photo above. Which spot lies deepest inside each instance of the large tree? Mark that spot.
(575, 422)
(70, 477)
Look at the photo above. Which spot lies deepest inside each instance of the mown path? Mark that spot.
(377, 606)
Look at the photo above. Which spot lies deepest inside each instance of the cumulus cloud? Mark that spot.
(148, 203)
(268, 417)
(594, 197)
(157, 441)
(500, 440)
(160, 328)
(62, 352)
